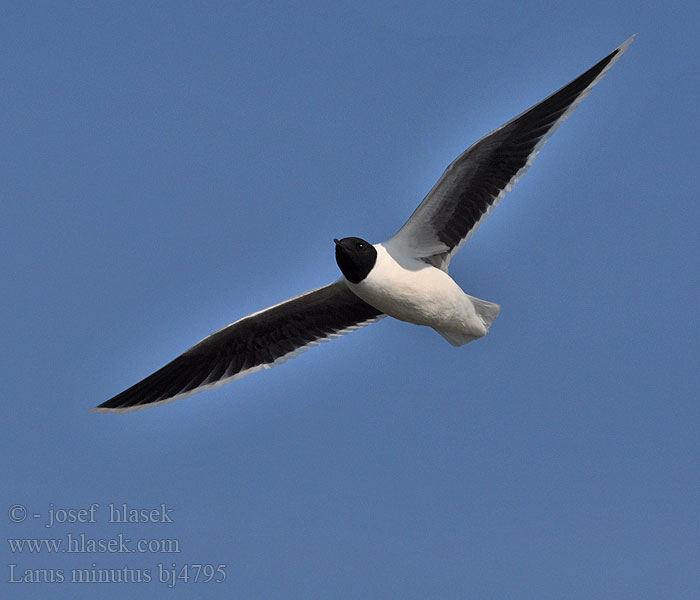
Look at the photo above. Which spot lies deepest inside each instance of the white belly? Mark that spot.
(414, 291)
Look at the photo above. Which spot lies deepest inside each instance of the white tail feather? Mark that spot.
(487, 313)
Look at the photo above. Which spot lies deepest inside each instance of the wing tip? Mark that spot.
(114, 410)
(626, 43)
(105, 409)
(614, 57)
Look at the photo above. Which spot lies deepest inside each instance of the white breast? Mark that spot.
(412, 290)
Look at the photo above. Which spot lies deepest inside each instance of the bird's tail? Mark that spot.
(487, 313)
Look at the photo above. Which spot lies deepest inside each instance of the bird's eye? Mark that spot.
(360, 246)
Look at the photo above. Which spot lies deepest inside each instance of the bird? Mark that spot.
(405, 277)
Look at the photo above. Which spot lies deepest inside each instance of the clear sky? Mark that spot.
(167, 169)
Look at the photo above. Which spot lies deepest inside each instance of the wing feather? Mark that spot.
(476, 181)
(259, 341)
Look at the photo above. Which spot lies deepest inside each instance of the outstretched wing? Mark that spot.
(475, 182)
(259, 341)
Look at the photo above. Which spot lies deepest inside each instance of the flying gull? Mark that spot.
(405, 277)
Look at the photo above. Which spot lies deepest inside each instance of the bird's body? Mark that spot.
(411, 290)
(405, 277)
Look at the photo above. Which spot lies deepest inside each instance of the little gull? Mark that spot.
(405, 277)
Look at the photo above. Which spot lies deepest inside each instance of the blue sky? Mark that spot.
(169, 169)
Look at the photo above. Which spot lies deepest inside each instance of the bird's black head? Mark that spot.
(355, 257)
